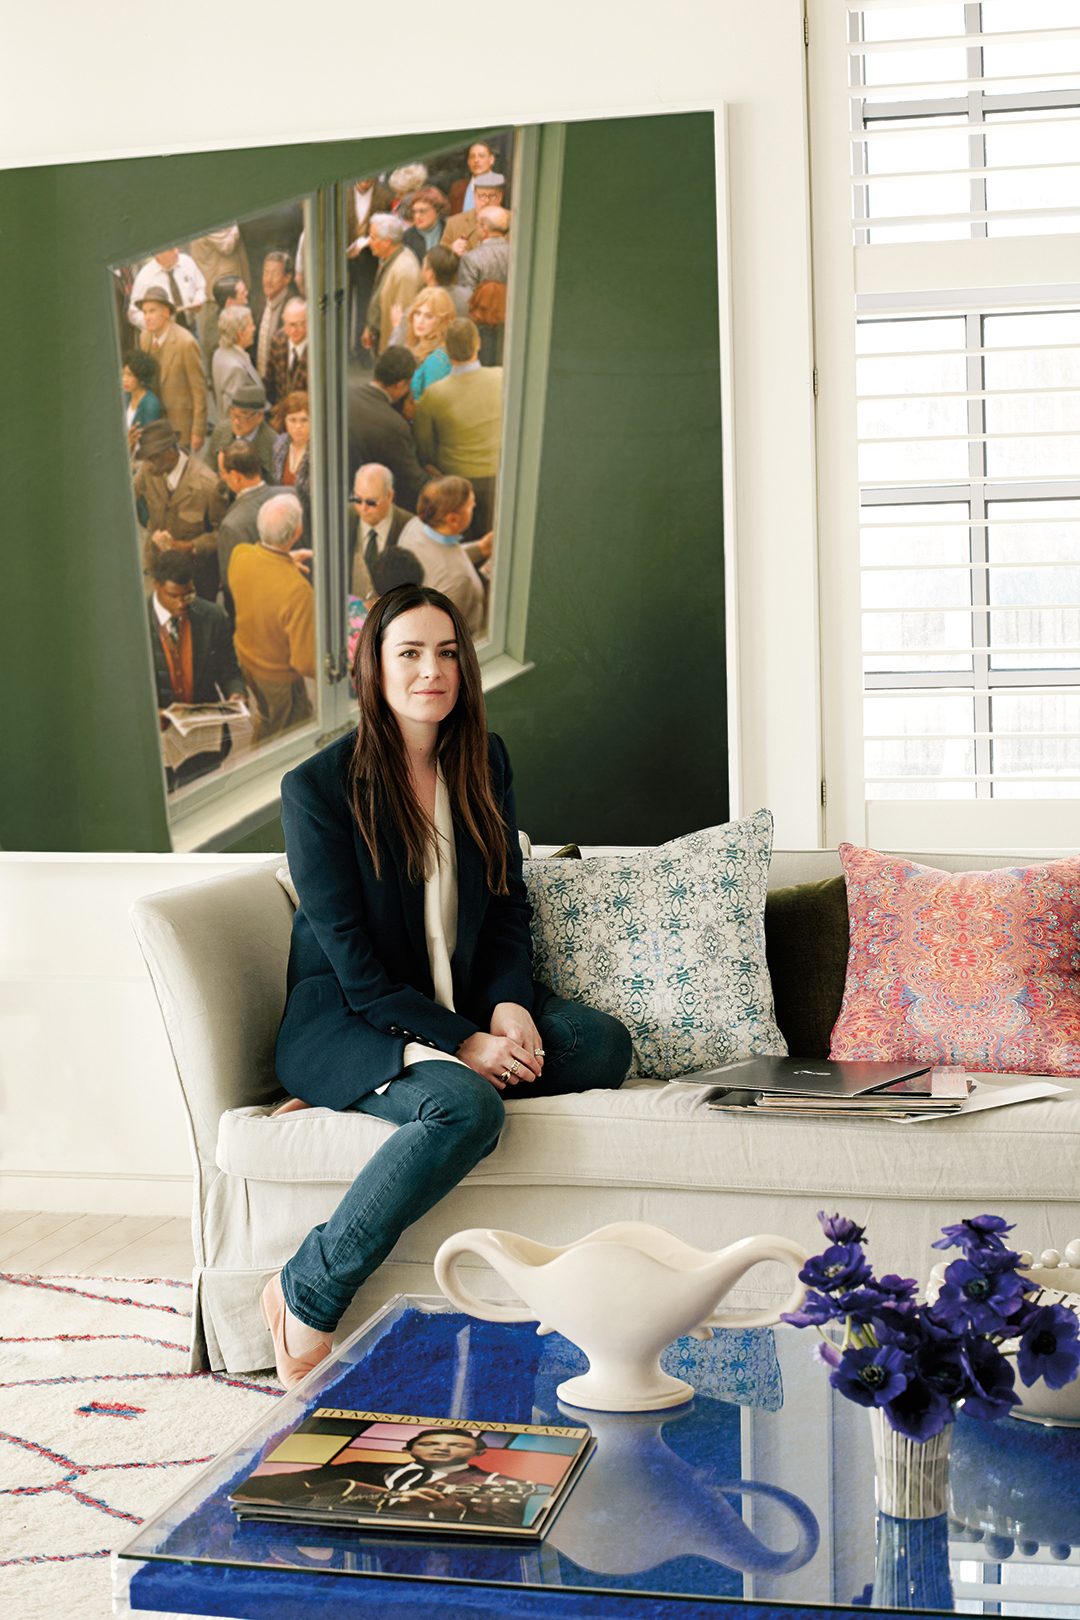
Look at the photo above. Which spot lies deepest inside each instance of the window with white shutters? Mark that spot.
(965, 342)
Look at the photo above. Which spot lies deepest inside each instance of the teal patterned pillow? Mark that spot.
(671, 940)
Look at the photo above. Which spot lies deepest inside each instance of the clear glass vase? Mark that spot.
(912, 1476)
(911, 1570)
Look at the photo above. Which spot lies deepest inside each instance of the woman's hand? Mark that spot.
(516, 1022)
(500, 1059)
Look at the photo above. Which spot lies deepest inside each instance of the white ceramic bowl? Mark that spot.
(1060, 1408)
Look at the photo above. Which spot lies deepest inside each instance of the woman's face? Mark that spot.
(247, 334)
(423, 215)
(129, 380)
(419, 666)
(423, 321)
(298, 427)
(481, 160)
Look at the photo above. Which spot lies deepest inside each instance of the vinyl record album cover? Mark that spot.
(420, 1475)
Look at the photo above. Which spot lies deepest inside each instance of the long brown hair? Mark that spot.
(379, 781)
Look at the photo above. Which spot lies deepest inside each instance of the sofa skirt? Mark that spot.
(228, 1330)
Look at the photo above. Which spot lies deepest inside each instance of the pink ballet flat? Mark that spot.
(290, 1369)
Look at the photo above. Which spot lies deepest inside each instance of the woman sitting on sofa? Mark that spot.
(410, 989)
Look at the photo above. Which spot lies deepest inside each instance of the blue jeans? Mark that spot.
(448, 1119)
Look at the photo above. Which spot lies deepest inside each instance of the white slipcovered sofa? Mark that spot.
(652, 1151)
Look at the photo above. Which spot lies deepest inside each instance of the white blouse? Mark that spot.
(440, 920)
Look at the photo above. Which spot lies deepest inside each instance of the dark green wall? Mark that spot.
(618, 735)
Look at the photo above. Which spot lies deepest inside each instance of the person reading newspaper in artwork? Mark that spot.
(441, 1480)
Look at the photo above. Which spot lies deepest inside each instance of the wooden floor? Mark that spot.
(95, 1245)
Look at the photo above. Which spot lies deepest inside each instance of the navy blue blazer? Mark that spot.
(359, 983)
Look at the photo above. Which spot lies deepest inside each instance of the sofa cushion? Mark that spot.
(670, 940)
(665, 1136)
(806, 942)
(975, 968)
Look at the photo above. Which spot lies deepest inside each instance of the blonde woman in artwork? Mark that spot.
(424, 335)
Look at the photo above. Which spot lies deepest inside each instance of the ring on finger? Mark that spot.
(538, 1051)
(514, 1067)
(505, 1075)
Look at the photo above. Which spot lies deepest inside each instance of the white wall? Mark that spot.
(89, 1102)
(85, 1084)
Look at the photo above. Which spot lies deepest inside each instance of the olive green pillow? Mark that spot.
(806, 945)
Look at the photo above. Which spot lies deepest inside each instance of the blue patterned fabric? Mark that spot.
(670, 940)
(736, 1365)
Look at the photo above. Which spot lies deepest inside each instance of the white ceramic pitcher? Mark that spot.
(621, 1294)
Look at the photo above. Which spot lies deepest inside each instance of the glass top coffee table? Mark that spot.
(758, 1492)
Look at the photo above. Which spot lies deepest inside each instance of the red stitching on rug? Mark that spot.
(110, 1409)
(119, 1378)
(54, 1558)
(92, 1501)
(103, 1299)
(94, 1338)
(82, 1276)
(42, 1451)
(239, 1383)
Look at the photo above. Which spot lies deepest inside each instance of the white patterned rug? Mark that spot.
(100, 1425)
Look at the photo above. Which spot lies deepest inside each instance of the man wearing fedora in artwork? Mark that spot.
(180, 504)
(246, 420)
(180, 277)
(181, 374)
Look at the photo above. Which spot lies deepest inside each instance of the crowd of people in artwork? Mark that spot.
(218, 419)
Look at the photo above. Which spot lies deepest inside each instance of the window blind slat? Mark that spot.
(973, 217)
(949, 483)
(968, 523)
(966, 438)
(944, 42)
(925, 89)
(862, 181)
(895, 129)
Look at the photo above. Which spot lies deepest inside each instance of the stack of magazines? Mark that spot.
(812, 1088)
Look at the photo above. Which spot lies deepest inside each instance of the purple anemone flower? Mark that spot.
(977, 1298)
(815, 1310)
(940, 1363)
(863, 1304)
(871, 1375)
(980, 1232)
(991, 1392)
(919, 1411)
(840, 1229)
(840, 1268)
(898, 1288)
(1049, 1349)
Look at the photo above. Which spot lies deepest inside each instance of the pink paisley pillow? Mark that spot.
(976, 968)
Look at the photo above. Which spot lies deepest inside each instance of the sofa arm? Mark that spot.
(217, 953)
